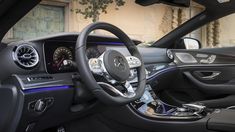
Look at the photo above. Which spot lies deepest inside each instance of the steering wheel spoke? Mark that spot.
(95, 65)
(129, 90)
(133, 62)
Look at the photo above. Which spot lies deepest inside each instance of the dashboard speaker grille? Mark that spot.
(26, 56)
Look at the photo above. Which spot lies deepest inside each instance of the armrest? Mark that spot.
(222, 121)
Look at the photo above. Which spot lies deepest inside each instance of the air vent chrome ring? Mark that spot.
(25, 56)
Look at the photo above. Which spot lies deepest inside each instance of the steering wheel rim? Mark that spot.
(87, 75)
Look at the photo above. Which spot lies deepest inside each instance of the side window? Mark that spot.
(226, 32)
(219, 33)
(46, 18)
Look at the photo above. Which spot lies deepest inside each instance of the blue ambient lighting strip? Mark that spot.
(46, 89)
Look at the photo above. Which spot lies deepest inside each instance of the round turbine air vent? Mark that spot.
(26, 56)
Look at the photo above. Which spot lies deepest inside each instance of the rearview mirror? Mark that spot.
(188, 43)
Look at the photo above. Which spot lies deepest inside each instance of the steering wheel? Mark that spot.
(111, 65)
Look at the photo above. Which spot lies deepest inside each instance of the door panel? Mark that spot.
(226, 88)
(209, 80)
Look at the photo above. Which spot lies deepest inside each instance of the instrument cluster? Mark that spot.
(60, 57)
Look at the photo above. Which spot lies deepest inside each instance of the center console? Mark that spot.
(150, 105)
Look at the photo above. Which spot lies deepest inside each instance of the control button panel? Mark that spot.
(40, 105)
(133, 61)
(208, 60)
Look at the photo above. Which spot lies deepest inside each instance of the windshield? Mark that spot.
(146, 24)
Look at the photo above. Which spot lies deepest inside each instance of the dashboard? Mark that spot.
(47, 57)
(58, 54)
(38, 71)
(60, 57)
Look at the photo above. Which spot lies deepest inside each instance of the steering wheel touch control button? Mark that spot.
(95, 66)
(133, 61)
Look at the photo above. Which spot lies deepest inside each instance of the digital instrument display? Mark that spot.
(57, 55)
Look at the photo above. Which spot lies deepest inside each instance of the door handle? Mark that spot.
(212, 76)
(207, 75)
(223, 88)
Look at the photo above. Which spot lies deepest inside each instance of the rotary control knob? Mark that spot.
(40, 106)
